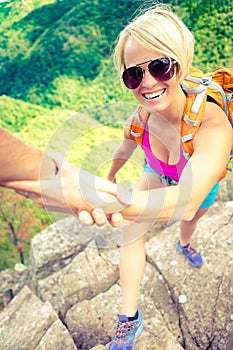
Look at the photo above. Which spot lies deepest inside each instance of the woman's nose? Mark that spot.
(148, 79)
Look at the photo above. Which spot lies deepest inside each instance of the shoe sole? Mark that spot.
(139, 330)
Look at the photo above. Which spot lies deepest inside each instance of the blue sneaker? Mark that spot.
(191, 254)
(126, 333)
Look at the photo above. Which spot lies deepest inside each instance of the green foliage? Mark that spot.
(64, 38)
(20, 220)
(212, 36)
(7, 253)
(212, 25)
(16, 114)
(54, 53)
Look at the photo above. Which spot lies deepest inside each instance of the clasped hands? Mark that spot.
(77, 192)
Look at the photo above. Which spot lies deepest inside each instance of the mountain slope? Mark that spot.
(52, 52)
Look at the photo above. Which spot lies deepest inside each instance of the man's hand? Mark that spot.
(76, 192)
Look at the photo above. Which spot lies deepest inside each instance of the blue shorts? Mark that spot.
(211, 197)
(209, 200)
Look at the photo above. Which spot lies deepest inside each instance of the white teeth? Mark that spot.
(154, 94)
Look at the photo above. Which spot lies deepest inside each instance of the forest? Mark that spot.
(57, 75)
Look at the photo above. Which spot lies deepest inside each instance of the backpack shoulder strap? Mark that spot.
(137, 126)
(191, 120)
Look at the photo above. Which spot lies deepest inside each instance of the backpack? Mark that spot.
(216, 86)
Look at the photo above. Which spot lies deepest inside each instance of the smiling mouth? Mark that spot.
(154, 95)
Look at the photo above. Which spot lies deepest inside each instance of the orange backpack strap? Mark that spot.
(191, 120)
(137, 126)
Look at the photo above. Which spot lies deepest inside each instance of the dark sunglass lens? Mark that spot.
(132, 77)
(162, 69)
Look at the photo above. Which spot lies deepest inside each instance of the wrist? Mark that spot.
(49, 167)
(56, 168)
(111, 176)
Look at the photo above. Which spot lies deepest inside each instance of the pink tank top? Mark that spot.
(171, 170)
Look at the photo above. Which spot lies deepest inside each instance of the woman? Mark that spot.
(154, 53)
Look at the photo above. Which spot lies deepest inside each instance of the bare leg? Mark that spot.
(187, 228)
(132, 253)
(132, 264)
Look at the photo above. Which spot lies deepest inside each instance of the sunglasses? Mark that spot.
(162, 69)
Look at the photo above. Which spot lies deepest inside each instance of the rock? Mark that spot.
(56, 338)
(27, 323)
(74, 281)
(11, 282)
(91, 321)
(55, 247)
(157, 336)
(204, 318)
(88, 274)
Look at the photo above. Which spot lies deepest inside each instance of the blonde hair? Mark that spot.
(160, 30)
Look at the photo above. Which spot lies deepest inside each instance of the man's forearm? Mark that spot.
(19, 161)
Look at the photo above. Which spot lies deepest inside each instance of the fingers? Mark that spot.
(106, 186)
(123, 194)
(28, 189)
(98, 217)
(85, 218)
(116, 220)
(29, 195)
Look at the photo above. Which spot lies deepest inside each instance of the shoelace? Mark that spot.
(123, 329)
(190, 250)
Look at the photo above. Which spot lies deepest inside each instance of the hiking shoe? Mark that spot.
(126, 333)
(191, 254)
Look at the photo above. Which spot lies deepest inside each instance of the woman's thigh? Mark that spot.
(148, 181)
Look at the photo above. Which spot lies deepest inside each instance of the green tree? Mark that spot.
(20, 220)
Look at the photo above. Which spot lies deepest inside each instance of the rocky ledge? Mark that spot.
(69, 296)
